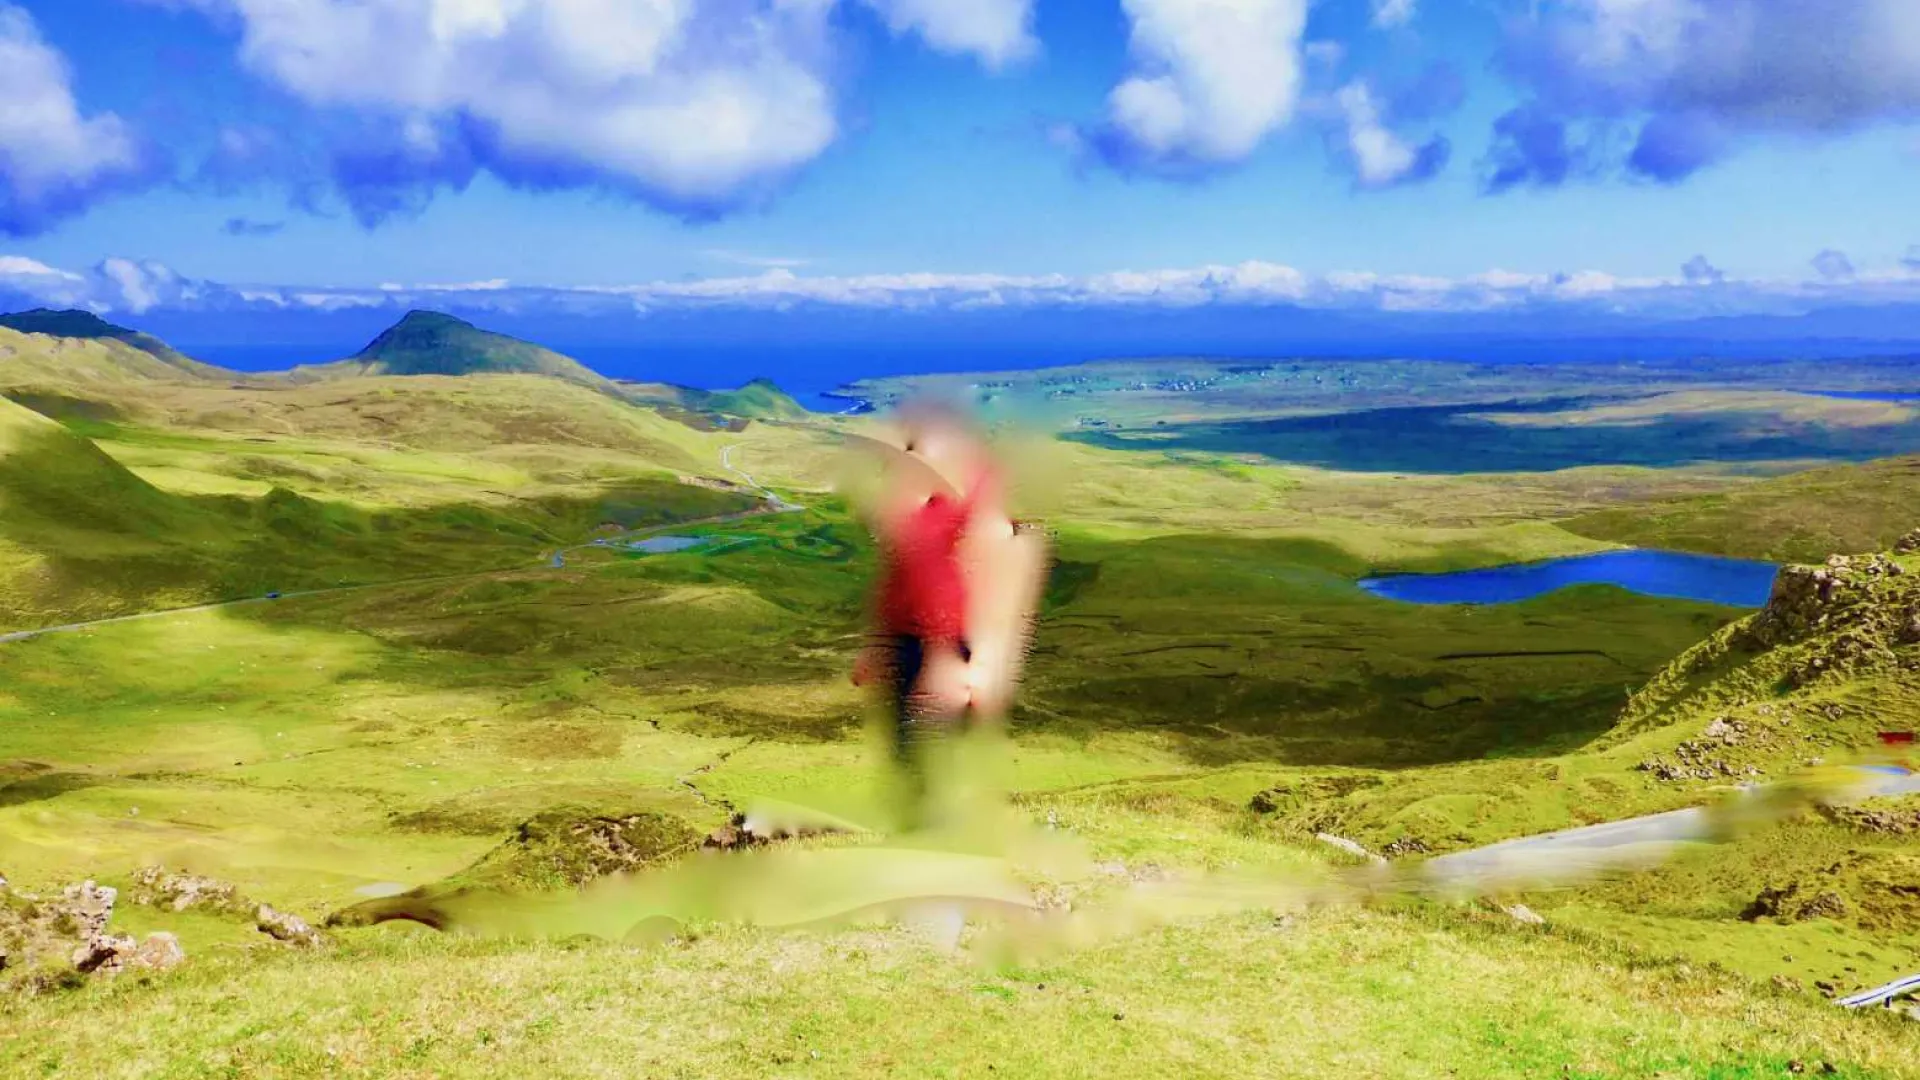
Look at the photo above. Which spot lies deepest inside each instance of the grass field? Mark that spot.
(1209, 689)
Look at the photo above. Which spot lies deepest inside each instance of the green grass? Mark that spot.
(1802, 518)
(1202, 643)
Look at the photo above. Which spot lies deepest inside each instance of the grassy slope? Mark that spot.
(29, 361)
(1802, 517)
(310, 748)
(1232, 998)
(82, 536)
(429, 343)
(86, 326)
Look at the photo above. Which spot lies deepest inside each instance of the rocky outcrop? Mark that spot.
(742, 832)
(1850, 614)
(1908, 544)
(156, 886)
(559, 849)
(1790, 904)
(1890, 820)
(284, 927)
(53, 942)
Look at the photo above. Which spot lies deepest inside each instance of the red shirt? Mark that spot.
(923, 588)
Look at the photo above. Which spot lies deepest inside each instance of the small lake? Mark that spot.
(666, 545)
(1672, 574)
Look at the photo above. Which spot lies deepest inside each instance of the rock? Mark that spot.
(1406, 845)
(1788, 984)
(114, 954)
(50, 943)
(1772, 903)
(1908, 544)
(1826, 905)
(1521, 913)
(1728, 731)
(1263, 803)
(160, 952)
(103, 953)
(289, 928)
(1350, 847)
(155, 886)
(743, 832)
(88, 906)
(1787, 905)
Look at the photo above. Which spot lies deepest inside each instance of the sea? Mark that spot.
(817, 378)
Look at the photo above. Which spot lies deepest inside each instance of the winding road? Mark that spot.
(1617, 844)
(1633, 844)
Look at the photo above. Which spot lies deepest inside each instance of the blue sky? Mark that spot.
(617, 157)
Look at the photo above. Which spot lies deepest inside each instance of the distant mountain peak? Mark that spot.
(422, 317)
(67, 322)
(426, 342)
(88, 326)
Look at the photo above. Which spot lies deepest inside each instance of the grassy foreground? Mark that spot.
(1209, 690)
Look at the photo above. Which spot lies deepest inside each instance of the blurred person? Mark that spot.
(957, 584)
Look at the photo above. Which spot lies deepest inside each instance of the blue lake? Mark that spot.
(666, 545)
(1708, 578)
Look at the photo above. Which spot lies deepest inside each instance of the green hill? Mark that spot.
(430, 343)
(710, 410)
(1801, 516)
(127, 353)
(760, 399)
(82, 536)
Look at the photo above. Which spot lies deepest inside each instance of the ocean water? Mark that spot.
(1871, 395)
(1672, 574)
(808, 374)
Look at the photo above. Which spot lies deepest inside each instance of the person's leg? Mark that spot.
(909, 664)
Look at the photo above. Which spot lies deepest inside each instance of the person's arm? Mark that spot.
(983, 491)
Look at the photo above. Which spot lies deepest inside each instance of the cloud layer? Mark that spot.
(54, 161)
(127, 286)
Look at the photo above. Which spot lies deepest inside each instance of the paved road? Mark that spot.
(1615, 845)
(1572, 854)
(1883, 995)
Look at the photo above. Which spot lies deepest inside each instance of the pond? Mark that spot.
(666, 545)
(1672, 574)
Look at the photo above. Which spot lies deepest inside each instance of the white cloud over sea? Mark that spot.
(127, 286)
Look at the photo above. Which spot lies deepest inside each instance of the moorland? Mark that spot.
(469, 672)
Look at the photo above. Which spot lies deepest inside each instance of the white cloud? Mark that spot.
(1391, 13)
(53, 159)
(489, 285)
(999, 32)
(694, 105)
(1379, 156)
(121, 285)
(19, 266)
(1210, 78)
(142, 286)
